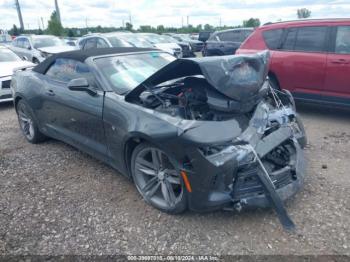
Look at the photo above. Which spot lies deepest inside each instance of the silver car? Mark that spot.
(9, 62)
(36, 48)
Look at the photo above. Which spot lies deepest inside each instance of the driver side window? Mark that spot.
(64, 70)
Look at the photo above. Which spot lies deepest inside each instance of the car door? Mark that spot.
(74, 116)
(338, 63)
(27, 49)
(300, 62)
(17, 46)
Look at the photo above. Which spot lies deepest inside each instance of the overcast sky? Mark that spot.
(75, 13)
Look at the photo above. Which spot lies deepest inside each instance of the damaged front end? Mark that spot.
(242, 141)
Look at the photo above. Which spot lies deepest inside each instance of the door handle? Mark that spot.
(50, 92)
(340, 61)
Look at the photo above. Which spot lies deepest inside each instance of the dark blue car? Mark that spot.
(225, 42)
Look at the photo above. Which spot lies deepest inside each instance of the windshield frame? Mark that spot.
(110, 85)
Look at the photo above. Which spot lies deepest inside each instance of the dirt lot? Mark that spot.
(57, 200)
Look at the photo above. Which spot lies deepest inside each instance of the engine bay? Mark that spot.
(193, 98)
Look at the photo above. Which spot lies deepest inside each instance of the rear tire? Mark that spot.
(28, 124)
(158, 179)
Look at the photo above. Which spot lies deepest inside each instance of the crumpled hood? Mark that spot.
(6, 68)
(57, 49)
(238, 77)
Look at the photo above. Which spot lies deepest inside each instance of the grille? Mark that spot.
(277, 162)
(6, 84)
(248, 183)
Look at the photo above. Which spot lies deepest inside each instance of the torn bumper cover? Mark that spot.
(261, 167)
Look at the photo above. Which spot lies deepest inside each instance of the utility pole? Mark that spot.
(19, 14)
(130, 19)
(42, 22)
(182, 21)
(58, 12)
(220, 22)
(187, 21)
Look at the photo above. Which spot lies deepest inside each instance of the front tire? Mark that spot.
(27, 123)
(158, 179)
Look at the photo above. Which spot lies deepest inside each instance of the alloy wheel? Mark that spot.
(157, 179)
(26, 122)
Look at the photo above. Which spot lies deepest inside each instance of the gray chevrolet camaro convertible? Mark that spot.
(199, 134)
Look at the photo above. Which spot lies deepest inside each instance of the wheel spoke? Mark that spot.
(168, 193)
(151, 187)
(165, 193)
(156, 158)
(171, 192)
(173, 177)
(145, 164)
(173, 180)
(145, 170)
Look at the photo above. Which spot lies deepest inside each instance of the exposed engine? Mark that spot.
(193, 98)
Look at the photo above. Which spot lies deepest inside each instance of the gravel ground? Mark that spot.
(56, 200)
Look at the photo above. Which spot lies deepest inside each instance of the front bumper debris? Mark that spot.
(242, 175)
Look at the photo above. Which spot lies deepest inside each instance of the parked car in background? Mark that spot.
(72, 41)
(164, 43)
(225, 42)
(8, 62)
(103, 40)
(204, 36)
(196, 45)
(194, 36)
(36, 48)
(5, 39)
(186, 48)
(309, 58)
(136, 40)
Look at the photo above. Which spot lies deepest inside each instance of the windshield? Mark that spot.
(124, 73)
(41, 42)
(5, 38)
(137, 41)
(117, 42)
(6, 55)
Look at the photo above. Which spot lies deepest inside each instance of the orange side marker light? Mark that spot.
(186, 181)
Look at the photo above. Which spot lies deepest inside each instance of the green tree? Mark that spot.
(54, 25)
(160, 29)
(251, 22)
(208, 27)
(303, 13)
(70, 33)
(128, 26)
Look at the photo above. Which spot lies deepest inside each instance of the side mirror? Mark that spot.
(24, 58)
(81, 84)
(29, 47)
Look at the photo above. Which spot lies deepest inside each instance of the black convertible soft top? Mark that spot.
(82, 55)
